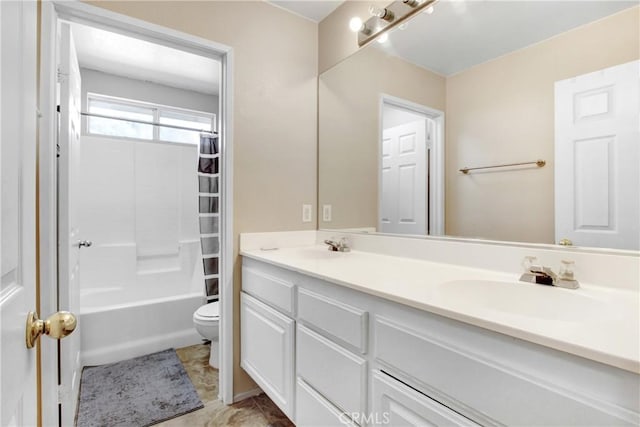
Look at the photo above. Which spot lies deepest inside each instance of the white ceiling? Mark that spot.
(138, 59)
(460, 34)
(315, 10)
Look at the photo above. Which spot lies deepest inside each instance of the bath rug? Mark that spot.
(136, 392)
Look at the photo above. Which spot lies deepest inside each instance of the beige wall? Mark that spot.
(502, 112)
(349, 102)
(274, 107)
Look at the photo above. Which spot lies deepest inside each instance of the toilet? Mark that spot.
(206, 319)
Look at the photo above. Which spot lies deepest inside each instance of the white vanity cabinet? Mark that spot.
(364, 360)
(267, 332)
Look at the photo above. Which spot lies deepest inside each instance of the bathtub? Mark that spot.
(127, 312)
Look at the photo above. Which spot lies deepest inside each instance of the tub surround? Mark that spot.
(600, 321)
(119, 298)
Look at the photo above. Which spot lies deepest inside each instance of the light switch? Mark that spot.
(326, 213)
(306, 213)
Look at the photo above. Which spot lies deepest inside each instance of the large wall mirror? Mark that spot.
(537, 100)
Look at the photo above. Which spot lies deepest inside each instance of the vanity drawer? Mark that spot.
(344, 323)
(395, 404)
(339, 375)
(277, 291)
(314, 410)
(497, 394)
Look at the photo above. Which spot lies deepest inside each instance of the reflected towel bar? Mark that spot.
(539, 163)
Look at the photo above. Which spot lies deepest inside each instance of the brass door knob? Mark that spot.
(57, 326)
(565, 242)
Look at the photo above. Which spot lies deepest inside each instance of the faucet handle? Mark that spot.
(528, 263)
(345, 244)
(566, 269)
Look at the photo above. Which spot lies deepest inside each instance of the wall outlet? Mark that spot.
(306, 213)
(326, 213)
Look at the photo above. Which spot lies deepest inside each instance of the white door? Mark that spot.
(403, 181)
(18, 393)
(597, 147)
(68, 234)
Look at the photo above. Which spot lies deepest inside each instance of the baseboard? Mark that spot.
(247, 394)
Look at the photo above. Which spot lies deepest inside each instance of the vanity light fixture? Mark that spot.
(382, 38)
(382, 13)
(385, 19)
(356, 24)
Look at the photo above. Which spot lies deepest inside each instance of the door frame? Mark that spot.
(436, 161)
(52, 11)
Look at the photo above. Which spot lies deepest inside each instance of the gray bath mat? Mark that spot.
(137, 392)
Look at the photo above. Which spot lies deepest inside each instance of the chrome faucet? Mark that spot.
(535, 273)
(341, 245)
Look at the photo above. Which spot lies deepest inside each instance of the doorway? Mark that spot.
(161, 147)
(410, 172)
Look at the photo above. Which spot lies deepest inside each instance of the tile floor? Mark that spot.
(257, 411)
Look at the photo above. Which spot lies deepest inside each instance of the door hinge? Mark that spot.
(60, 76)
(57, 132)
(61, 393)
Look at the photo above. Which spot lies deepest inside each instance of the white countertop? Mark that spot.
(597, 323)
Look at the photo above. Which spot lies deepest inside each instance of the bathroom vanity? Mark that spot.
(366, 338)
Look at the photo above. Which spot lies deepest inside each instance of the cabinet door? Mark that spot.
(396, 404)
(266, 350)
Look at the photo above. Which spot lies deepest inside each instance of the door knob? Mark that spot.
(84, 243)
(57, 326)
(565, 242)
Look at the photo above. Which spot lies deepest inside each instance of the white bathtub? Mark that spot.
(126, 313)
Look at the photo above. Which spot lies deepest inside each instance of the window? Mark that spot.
(182, 119)
(112, 127)
(142, 115)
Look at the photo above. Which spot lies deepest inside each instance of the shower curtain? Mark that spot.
(209, 211)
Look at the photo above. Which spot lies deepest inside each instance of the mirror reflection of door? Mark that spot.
(404, 171)
(597, 158)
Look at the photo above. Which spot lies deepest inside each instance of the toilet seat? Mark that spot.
(208, 312)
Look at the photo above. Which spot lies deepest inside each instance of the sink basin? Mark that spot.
(521, 299)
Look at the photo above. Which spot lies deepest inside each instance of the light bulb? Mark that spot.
(383, 38)
(429, 10)
(381, 13)
(356, 24)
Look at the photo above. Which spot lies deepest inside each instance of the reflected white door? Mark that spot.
(68, 234)
(18, 393)
(403, 198)
(597, 156)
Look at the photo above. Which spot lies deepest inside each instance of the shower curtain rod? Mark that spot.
(102, 116)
